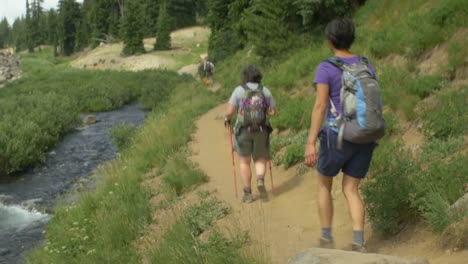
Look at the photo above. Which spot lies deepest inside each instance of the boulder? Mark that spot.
(90, 120)
(9, 66)
(4, 251)
(459, 208)
(332, 256)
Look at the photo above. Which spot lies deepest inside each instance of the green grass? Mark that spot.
(438, 149)
(293, 113)
(446, 117)
(423, 25)
(182, 243)
(188, 58)
(101, 227)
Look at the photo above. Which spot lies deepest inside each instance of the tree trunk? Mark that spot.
(121, 7)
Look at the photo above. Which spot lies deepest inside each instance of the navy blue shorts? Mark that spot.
(353, 159)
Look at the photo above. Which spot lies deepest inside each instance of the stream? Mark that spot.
(27, 200)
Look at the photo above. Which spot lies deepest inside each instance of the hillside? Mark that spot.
(187, 46)
(169, 196)
(419, 50)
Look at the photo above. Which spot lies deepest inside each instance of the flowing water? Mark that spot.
(27, 200)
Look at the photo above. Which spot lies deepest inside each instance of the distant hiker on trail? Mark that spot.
(253, 103)
(353, 125)
(208, 68)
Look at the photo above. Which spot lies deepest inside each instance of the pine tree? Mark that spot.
(52, 30)
(151, 16)
(201, 8)
(265, 26)
(226, 34)
(114, 22)
(132, 32)
(163, 36)
(100, 12)
(218, 11)
(184, 13)
(28, 30)
(315, 12)
(69, 15)
(36, 26)
(18, 34)
(4, 33)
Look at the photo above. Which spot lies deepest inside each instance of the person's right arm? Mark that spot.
(318, 115)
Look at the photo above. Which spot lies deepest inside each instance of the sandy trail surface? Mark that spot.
(288, 223)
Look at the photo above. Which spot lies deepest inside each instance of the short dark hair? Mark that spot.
(340, 32)
(251, 74)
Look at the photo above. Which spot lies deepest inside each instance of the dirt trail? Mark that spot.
(288, 222)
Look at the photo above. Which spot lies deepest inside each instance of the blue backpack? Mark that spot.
(361, 120)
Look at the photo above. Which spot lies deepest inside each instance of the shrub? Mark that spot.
(201, 217)
(122, 135)
(387, 192)
(294, 154)
(439, 186)
(179, 174)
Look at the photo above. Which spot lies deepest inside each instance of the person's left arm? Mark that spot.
(271, 102)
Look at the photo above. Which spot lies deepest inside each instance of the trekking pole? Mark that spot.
(233, 162)
(271, 178)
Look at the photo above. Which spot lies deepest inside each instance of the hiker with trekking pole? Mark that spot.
(254, 104)
(347, 120)
(208, 69)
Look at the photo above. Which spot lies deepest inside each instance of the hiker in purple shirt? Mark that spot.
(352, 159)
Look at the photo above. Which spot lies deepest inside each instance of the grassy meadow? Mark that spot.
(46, 103)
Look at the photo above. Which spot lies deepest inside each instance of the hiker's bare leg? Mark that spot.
(325, 200)
(355, 203)
(260, 166)
(246, 174)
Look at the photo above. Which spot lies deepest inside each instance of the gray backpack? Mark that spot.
(253, 109)
(361, 120)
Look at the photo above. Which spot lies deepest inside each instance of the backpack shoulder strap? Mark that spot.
(364, 59)
(336, 62)
(245, 87)
(260, 88)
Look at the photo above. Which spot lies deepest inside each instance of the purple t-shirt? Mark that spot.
(329, 74)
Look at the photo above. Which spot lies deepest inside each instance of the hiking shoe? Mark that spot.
(326, 243)
(261, 188)
(247, 198)
(359, 248)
